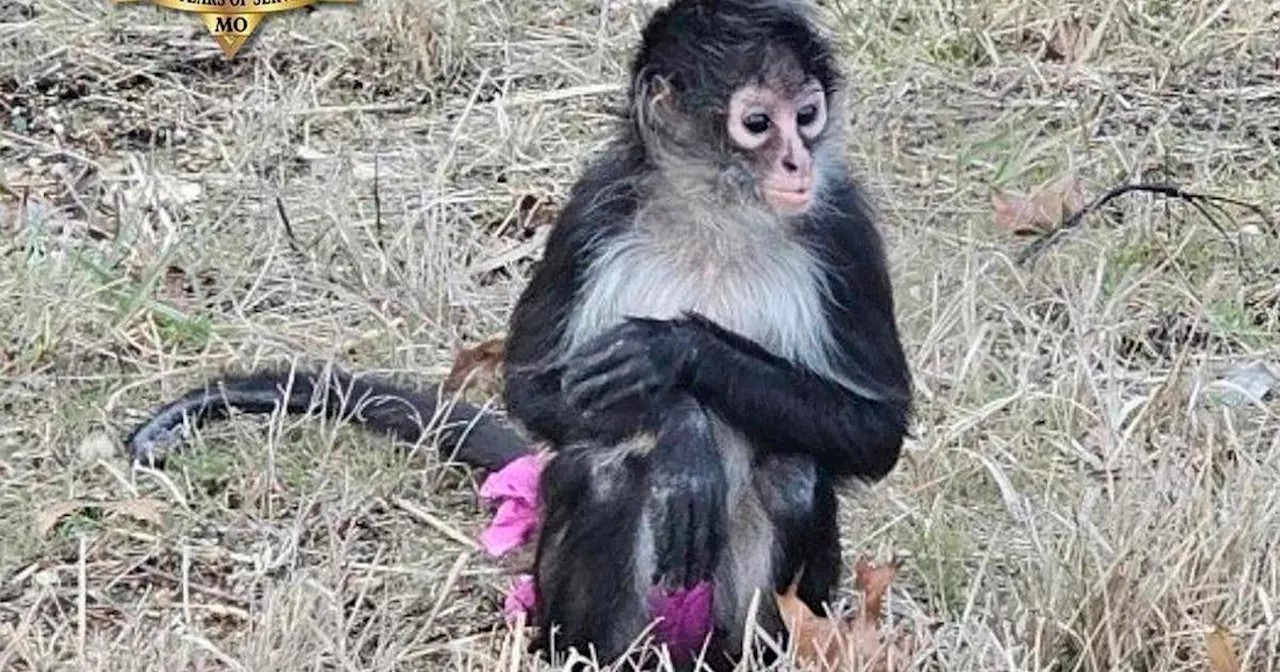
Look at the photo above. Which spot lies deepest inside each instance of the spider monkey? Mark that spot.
(708, 343)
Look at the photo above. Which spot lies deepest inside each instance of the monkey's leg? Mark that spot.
(620, 520)
(781, 524)
(801, 504)
(595, 553)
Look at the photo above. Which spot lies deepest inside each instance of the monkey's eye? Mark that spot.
(756, 123)
(807, 115)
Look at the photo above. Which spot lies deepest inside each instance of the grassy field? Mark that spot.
(1080, 495)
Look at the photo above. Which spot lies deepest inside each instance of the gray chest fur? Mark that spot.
(741, 271)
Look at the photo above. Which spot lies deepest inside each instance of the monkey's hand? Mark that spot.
(686, 504)
(632, 365)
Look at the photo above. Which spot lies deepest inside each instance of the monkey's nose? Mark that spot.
(795, 160)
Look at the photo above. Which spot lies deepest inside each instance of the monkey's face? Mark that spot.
(776, 129)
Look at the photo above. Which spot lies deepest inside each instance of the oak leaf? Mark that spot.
(874, 581)
(816, 639)
(831, 644)
(869, 649)
(1039, 212)
(480, 367)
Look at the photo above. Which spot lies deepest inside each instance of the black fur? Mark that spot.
(587, 557)
(706, 49)
(809, 432)
(599, 207)
(801, 501)
(686, 506)
(585, 554)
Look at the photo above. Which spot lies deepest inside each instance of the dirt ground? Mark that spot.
(368, 186)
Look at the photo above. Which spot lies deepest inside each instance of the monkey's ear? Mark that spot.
(663, 88)
(655, 103)
(660, 95)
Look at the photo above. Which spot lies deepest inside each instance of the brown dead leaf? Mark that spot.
(1020, 215)
(48, 518)
(535, 212)
(144, 509)
(860, 645)
(1220, 649)
(1039, 212)
(874, 581)
(817, 640)
(479, 366)
(868, 648)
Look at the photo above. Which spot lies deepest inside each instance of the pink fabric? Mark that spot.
(684, 614)
(515, 488)
(685, 617)
(522, 597)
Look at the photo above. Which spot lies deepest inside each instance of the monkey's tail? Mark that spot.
(464, 433)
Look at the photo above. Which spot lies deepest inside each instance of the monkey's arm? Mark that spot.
(782, 406)
(854, 426)
(854, 430)
(537, 325)
(598, 208)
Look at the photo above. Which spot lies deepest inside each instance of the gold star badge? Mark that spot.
(232, 22)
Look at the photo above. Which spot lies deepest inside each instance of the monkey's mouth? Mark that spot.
(788, 200)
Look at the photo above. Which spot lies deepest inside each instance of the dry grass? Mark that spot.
(1074, 500)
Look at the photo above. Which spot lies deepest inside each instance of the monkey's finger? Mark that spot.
(696, 567)
(613, 398)
(592, 365)
(603, 352)
(582, 393)
(711, 521)
(560, 365)
(586, 369)
(681, 548)
(610, 389)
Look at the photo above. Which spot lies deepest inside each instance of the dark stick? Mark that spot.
(288, 227)
(1039, 245)
(377, 206)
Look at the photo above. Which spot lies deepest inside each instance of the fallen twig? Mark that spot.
(288, 227)
(377, 208)
(1196, 199)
